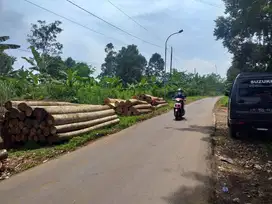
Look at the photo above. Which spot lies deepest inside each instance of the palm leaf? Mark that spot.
(4, 38)
(8, 46)
(29, 61)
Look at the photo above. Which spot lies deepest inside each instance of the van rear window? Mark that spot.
(255, 91)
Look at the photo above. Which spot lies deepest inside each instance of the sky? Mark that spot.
(195, 48)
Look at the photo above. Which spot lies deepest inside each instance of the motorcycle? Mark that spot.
(179, 110)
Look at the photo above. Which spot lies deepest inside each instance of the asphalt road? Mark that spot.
(158, 161)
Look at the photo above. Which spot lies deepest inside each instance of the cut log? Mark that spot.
(161, 105)
(68, 135)
(110, 100)
(81, 117)
(157, 102)
(143, 106)
(71, 109)
(14, 122)
(132, 102)
(14, 113)
(40, 114)
(21, 125)
(3, 154)
(46, 131)
(82, 125)
(25, 130)
(143, 111)
(22, 116)
(119, 102)
(10, 104)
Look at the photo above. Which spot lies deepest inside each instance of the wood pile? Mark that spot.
(129, 107)
(49, 122)
(154, 101)
(3, 164)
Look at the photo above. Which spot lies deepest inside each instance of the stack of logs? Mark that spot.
(49, 122)
(154, 101)
(3, 163)
(129, 107)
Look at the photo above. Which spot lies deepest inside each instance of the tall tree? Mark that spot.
(155, 66)
(69, 62)
(83, 69)
(246, 32)
(108, 68)
(43, 37)
(130, 64)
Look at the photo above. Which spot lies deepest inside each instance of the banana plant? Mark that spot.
(37, 62)
(7, 46)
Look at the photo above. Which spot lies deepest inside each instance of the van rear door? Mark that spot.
(254, 99)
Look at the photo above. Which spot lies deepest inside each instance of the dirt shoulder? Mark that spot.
(244, 166)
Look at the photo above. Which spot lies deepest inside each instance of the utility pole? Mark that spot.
(171, 61)
(216, 69)
(195, 70)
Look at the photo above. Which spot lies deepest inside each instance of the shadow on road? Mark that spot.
(195, 128)
(198, 194)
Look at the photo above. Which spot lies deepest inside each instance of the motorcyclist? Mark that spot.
(180, 94)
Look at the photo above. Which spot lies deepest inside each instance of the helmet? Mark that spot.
(179, 90)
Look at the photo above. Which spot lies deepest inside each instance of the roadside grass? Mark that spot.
(33, 154)
(223, 102)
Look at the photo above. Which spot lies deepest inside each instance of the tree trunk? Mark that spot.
(68, 135)
(82, 125)
(54, 110)
(81, 117)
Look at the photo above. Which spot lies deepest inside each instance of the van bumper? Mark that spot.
(247, 125)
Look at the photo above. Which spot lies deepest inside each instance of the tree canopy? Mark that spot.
(246, 32)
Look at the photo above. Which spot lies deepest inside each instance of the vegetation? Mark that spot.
(246, 33)
(123, 74)
(223, 102)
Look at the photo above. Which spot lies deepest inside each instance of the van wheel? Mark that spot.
(233, 132)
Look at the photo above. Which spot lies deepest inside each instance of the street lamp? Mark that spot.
(165, 56)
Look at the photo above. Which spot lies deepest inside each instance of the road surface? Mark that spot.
(158, 161)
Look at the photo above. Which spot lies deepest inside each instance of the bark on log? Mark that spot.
(54, 110)
(156, 102)
(3, 154)
(118, 102)
(143, 106)
(132, 102)
(143, 111)
(110, 100)
(81, 117)
(10, 104)
(68, 135)
(161, 105)
(82, 125)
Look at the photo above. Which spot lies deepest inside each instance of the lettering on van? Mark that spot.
(261, 81)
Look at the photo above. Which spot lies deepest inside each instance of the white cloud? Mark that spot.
(196, 47)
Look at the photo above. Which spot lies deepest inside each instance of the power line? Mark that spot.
(137, 23)
(209, 3)
(120, 29)
(90, 29)
(127, 15)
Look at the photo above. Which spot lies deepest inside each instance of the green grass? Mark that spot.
(223, 102)
(32, 154)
